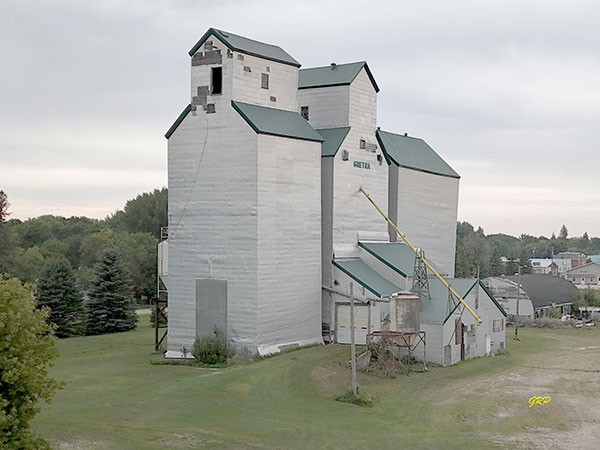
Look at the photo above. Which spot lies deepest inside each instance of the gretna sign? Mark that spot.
(362, 165)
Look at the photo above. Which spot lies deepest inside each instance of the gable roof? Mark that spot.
(178, 121)
(413, 153)
(436, 310)
(333, 75)
(544, 290)
(249, 46)
(356, 269)
(333, 138)
(395, 255)
(541, 262)
(277, 122)
(585, 266)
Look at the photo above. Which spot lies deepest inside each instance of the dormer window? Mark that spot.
(216, 80)
(304, 112)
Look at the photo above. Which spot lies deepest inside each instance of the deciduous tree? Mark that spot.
(27, 346)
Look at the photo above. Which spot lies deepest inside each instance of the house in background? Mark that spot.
(505, 291)
(547, 292)
(587, 275)
(576, 259)
(543, 266)
(559, 265)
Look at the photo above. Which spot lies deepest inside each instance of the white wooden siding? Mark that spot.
(427, 213)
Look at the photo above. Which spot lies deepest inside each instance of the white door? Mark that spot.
(361, 324)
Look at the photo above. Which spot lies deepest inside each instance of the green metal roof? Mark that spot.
(333, 139)
(356, 269)
(277, 122)
(413, 153)
(436, 310)
(248, 46)
(594, 258)
(178, 121)
(333, 75)
(396, 255)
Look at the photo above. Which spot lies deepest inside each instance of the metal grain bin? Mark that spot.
(405, 311)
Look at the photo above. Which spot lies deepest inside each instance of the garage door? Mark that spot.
(361, 324)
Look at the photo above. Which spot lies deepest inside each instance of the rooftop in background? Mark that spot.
(333, 75)
(249, 46)
(276, 122)
(594, 258)
(569, 255)
(540, 262)
(333, 139)
(544, 290)
(413, 153)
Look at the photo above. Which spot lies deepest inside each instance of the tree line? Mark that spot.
(27, 247)
(477, 251)
(88, 273)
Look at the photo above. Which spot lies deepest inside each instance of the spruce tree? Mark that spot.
(58, 291)
(110, 305)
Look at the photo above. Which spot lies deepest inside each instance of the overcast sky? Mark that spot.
(508, 92)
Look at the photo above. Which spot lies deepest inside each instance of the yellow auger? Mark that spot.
(429, 266)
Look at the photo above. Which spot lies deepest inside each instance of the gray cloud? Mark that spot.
(506, 91)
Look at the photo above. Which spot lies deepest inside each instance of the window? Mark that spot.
(264, 82)
(498, 325)
(304, 112)
(363, 144)
(216, 80)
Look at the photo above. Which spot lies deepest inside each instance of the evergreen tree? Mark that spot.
(564, 233)
(58, 291)
(110, 306)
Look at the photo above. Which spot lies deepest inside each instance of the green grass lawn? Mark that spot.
(115, 399)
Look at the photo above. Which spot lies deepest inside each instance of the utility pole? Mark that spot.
(352, 343)
(518, 301)
(477, 291)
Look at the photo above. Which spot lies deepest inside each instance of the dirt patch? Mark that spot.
(584, 437)
(81, 444)
(180, 440)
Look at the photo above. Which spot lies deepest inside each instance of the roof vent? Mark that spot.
(405, 134)
(333, 65)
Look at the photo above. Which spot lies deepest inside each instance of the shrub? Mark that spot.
(212, 349)
(555, 313)
(357, 399)
(27, 347)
